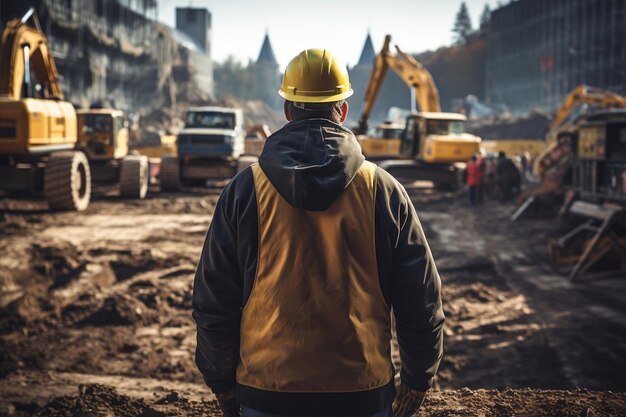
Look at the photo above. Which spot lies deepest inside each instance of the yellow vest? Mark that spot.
(316, 320)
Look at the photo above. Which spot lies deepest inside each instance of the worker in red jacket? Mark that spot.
(474, 177)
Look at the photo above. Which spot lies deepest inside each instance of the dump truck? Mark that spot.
(433, 144)
(38, 130)
(103, 136)
(208, 147)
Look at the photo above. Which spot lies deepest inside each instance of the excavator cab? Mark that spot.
(437, 137)
(103, 137)
(411, 138)
(382, 141)
(102, 133)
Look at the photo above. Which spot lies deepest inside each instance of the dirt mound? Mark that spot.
(128, 263)
(524, 402)
(97, 400)
(102, 400)
(27, 309)
(121, 310)
(60, 262)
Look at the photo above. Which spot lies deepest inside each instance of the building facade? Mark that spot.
(196, 24)
(114, 52)
(540, 50)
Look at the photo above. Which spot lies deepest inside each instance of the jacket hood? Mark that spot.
(310, 162)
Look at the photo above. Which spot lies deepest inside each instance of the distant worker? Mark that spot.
(482, 171)
(473, 179)
(308, 252)
(508, 177)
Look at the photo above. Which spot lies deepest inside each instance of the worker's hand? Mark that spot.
(407, 401)
(228, 403)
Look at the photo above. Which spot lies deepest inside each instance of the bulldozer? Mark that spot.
(433, 144)
(38, 128)
(103, 136)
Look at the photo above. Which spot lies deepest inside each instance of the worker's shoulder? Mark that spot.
(389, 192)
(386, 181)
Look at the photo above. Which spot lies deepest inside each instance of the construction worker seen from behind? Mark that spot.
(474, 179)
(308, 252)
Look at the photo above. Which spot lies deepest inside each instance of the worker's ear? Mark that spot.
(344, 111)
(286, 110)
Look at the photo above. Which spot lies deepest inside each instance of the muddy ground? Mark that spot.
(102, 299)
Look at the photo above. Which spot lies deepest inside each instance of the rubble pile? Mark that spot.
(534, 125)
(171, 119)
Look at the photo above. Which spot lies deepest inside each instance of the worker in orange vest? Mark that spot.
(474, 177)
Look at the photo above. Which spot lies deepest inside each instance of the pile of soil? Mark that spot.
(120, 310)
(98, 400)
(103, 401)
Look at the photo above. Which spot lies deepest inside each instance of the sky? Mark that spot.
(238, 26)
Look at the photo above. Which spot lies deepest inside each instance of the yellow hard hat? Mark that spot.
(315, 76)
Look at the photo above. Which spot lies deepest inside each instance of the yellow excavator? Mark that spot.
(38, 128)
(433, 145)
(103, 136)
(554, 164)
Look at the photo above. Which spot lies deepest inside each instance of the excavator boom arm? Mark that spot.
(412, 73)
(416, 76)
(24, 46)
(586, 95)
(376, 79)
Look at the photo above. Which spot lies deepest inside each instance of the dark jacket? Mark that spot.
(310, 163)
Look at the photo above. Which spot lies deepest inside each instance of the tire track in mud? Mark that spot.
(572, 334)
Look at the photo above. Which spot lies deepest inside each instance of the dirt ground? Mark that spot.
(102, 299)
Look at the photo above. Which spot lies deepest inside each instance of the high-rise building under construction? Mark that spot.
(540, 50)
(115, 52)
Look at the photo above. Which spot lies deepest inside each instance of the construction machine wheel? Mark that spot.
(67, 181)
(246, 161)
(134, 175)
(169, 175)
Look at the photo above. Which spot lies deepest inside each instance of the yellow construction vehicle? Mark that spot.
(38, 128)
(553, 166)
(562, 123)
(433, 145)
(597, 195)
(103, 136)
(383, 141)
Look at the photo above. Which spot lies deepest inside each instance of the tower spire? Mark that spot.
(367, 54)
(267, 53)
